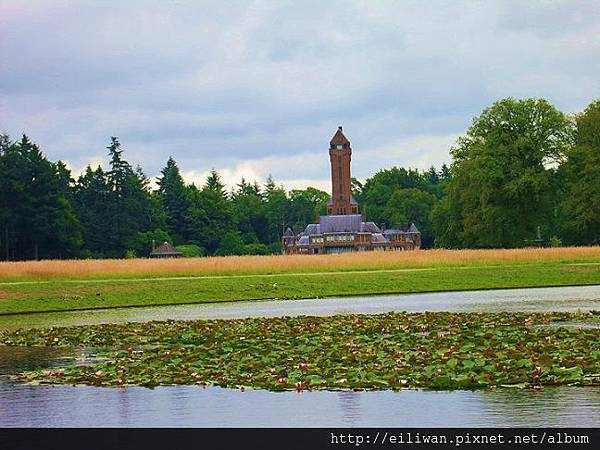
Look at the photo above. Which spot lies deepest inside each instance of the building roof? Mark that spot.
(370, 227)
(312, 228)
(165, 249)
(303, 240)
(347, 223)
(339, 138)
(406, 228)
(350, 223)
(378, 237)
(288, 233)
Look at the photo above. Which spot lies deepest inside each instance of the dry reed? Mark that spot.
(49, 269)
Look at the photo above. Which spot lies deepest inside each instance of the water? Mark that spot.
(568, 298)
(24, 405)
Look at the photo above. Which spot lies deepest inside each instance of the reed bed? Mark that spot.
(98, 268)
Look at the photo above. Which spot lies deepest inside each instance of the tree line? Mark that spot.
(523, 174)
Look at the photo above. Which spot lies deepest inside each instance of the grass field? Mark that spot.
(69, 285)
(133, 268)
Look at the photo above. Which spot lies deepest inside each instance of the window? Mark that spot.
(339, 146)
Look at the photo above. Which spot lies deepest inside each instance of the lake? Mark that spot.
(24, 405)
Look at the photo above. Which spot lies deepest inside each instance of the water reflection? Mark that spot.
(350, 407)
(66, 406)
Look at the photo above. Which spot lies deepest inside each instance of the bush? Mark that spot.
(190, 251)
(275, 248)
(231, 244)
(130, 254)
(256, 249)
(555, 242)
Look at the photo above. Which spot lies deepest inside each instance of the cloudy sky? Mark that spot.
(257, 87)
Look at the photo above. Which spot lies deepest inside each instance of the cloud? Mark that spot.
(258, 87)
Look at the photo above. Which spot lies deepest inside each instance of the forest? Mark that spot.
(523, 174)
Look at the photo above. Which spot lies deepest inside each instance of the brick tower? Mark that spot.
(342, 202)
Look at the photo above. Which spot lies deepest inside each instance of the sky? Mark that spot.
(252, 88)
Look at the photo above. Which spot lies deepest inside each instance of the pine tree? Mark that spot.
(210, 216)
(277, 209)
(174, 201)
(92, 201)
(37, 216)
(131, 205)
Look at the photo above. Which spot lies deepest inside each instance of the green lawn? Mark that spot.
(64, 295)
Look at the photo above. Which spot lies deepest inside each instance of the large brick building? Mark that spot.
(344, 229)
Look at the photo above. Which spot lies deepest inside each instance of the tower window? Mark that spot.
(339, 146)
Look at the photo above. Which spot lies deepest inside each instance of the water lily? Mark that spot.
(478, 350)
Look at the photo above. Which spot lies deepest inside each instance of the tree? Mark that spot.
(210, 216)
(116, 206)
(249, 213)
(230, 244)
(141, 244)
(580, 207)
(306, 205)
(356, 187)
(501, 188)
(36, 215)
(92, 201)
(411, 206)
(277, 210)
(378, 189)
(173, 196)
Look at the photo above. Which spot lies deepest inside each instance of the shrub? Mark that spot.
(190, 251)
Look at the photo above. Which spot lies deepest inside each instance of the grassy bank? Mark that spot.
(385, 351)
(275, 264)
(63, 295)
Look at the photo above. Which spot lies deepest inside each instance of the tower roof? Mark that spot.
(339, 138)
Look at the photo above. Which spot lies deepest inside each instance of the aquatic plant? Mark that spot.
(385, 351)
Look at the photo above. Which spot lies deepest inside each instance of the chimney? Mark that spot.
(153, 245)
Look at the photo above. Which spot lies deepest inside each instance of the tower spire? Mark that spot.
(340, 155)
